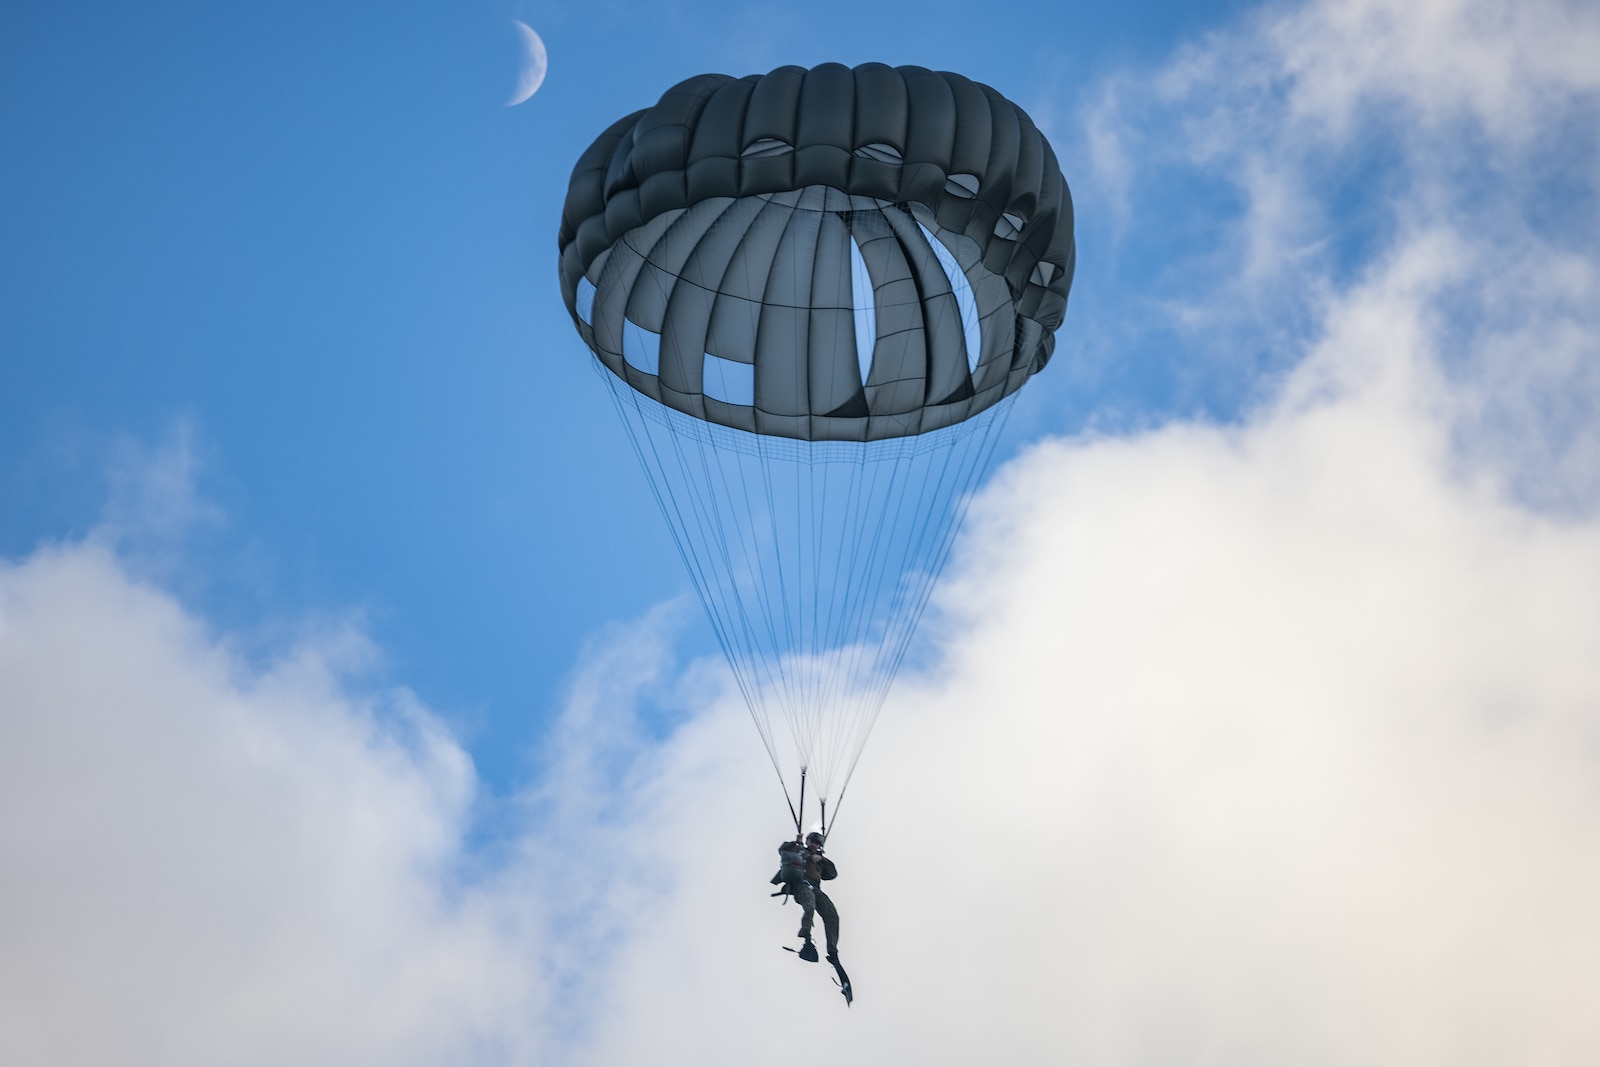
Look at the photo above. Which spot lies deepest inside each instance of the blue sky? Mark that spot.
(309, 240)
(1253, 723)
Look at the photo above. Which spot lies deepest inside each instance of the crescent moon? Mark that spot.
(533, 66)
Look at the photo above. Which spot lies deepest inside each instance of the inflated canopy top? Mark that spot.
(824, 254)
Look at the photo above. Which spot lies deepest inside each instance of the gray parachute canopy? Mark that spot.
(826, 254)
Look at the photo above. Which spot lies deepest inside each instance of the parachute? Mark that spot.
(813, 295)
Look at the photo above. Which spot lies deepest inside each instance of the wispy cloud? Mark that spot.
(154, 495)
(1307, 144)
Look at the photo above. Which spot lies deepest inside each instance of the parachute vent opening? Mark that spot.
(962, 185)
(729, 381)
(585, 301)
(865, 309)
(966, 303)
(1009, 226)
(1042, 273)
(767, 146)
(880, 152)
(641, 348)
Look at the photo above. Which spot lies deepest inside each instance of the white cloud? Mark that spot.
(205, 863)
(1504, 67)
(1273, 742)
(1250, 745)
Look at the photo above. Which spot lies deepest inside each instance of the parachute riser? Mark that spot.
(800, 815)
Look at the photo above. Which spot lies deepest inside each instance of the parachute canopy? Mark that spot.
(812, 293)
(829, 254)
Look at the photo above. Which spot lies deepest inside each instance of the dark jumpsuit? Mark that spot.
(803, 873)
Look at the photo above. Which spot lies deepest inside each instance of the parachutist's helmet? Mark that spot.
(814, 838)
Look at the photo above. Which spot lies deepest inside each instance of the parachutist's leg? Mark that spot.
(830, 921)
(806, 897)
